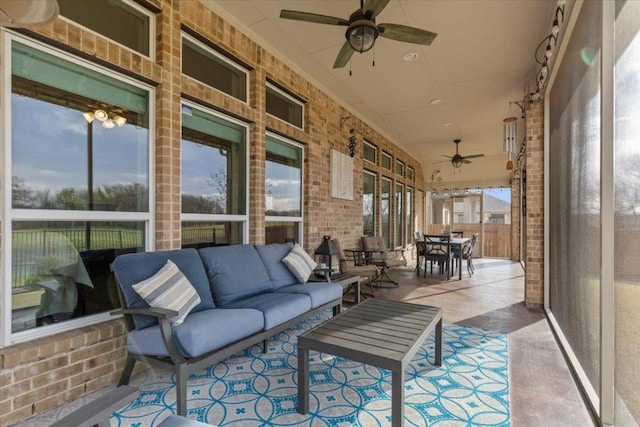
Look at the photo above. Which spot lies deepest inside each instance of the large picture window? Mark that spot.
(80, 177)
(368, 204)
(214, 178)
(410, 215)
(283, 190)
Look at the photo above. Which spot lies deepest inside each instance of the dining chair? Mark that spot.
(467, 253)
(421, 250)
(457, 233)
(438, 251)
(382, 257)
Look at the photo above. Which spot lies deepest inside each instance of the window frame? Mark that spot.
(390, 200)
(410, 174)
(139, 8)
(228, 61)
(199, 217)
(400, 214)
(375, 196)
(384, 156)
(375, 151)
(9, 214)
(287, 95)
(400, 167)
(300, 219)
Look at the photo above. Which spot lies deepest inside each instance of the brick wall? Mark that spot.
(47, 372)
(516, 217)
(534, 252)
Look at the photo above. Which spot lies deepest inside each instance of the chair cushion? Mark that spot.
(319, 292)
(235, 272)
(271, 255)
(130, 269)
(200, 333)
(170, 289)
(300, 263)
(277, 307)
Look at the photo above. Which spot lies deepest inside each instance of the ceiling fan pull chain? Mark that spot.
(374, 56)
(350, 67)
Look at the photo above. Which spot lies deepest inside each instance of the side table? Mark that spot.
(348, 282)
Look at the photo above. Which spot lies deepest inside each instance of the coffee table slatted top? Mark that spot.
(383, 333)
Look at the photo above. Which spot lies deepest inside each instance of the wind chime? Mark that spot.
(510, 136)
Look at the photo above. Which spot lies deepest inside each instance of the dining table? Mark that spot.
(455, 242)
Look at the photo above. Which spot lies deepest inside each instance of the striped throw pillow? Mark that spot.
(170, 289)
(299, 263)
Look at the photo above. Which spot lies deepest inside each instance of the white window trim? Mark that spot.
(299, 219)
(193, 217)
(9, 215)
(375, 195)
(400, 162)
(413, 174)
(152, 30)
(403, 217)
(221, 57)
(290, 98)
(390, 157)
(375, 151)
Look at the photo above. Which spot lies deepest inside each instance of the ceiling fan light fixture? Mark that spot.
(456, 162)
(362, 34)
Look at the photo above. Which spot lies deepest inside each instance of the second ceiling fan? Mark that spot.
(362, 30)
(457, 160)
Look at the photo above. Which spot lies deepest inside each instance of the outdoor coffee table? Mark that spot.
(386, 334)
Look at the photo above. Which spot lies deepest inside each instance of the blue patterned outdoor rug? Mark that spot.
(471, 388)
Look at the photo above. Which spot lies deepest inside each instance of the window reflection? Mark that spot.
(368, 204)
(283, 171)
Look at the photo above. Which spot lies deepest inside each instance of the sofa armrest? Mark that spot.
(160, 313)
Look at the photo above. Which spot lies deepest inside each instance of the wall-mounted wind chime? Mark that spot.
(510, 138)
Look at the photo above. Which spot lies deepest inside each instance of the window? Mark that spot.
(410, 174)
(79, 168)
(206, 65)
(399, 168)
(283, 190)
(284, 106)
(399, 213)
(135, 25)
(385, 210)
(386, 160)
(369, 152)
(409, 211)
(214, 178)
(368, 204)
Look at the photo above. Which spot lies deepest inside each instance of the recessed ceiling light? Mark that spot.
(448, 124)
(410, 56)
(436, 101)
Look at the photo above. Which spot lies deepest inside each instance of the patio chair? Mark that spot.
(438, 251)
(384, 258)
(355, 267)
(421, 249)
(467, 253)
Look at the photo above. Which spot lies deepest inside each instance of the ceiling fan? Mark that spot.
(362, 30)
(457, 160)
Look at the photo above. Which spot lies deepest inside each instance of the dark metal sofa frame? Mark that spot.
(183, 367)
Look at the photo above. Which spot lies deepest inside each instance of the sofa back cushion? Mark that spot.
(272, 255)
(130, 269)
(235, 272)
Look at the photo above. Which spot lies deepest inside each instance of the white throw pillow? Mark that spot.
(169, 288)
(300, 263)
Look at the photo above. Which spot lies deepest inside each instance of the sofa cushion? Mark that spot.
(200, 333)
(299, 263)
(319, 292)
(235, 272)
(169, 288)
(276, 307)
(130, 269)
(271, 255)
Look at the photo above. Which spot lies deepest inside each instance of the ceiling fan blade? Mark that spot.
(441, 161)
(406, 34)
(343, 56)
(312, 17)
(465, 161)
(372, 8)
(473, 156)
(448, 157)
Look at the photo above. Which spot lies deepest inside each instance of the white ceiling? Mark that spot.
(478, 63)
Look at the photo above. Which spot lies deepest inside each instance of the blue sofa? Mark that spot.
(247, 294)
